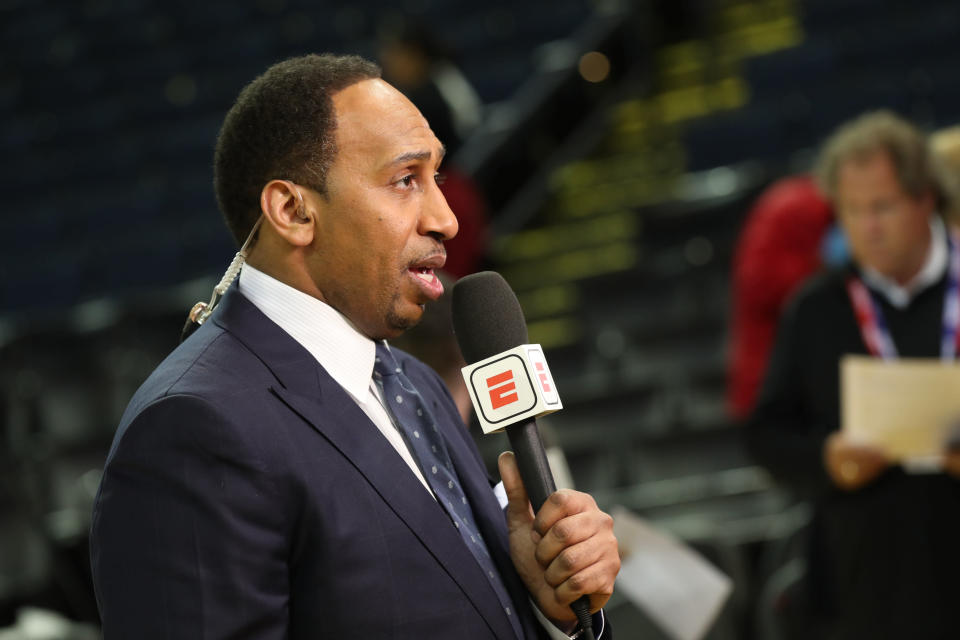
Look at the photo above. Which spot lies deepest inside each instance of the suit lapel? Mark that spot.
(490, 518)
(307, 389)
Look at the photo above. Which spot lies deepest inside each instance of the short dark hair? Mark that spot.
(281, 127)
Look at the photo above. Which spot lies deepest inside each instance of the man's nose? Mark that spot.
(872, 223)
(437, 218)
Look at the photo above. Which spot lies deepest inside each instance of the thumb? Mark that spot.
(519, 510)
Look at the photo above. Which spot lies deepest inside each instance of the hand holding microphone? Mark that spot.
(566, 552)
(561, 544)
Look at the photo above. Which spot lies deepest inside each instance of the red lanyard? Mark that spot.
(873, 326)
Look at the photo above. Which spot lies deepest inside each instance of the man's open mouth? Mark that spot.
(424, 273)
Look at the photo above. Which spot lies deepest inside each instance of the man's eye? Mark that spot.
(439, 178)
(407, 180)
(887, 206)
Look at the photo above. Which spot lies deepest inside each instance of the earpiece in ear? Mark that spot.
(301, 206)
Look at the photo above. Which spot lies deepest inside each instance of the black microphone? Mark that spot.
(488, 320)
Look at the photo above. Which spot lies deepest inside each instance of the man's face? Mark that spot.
(381, 227)
(888, 229)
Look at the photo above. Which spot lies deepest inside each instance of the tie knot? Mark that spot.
(385, 364)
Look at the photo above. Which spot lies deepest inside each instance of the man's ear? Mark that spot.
(285, 210)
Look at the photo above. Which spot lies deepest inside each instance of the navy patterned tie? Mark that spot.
(413, 418)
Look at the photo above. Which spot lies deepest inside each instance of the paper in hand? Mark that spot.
(910, 408)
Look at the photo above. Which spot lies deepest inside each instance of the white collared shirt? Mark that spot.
(935, 265)
(345, 353)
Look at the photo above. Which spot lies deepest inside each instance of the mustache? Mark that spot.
(433, 259)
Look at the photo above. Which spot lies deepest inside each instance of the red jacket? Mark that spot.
(779, 247)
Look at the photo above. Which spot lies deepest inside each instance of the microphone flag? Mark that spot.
(511, 387)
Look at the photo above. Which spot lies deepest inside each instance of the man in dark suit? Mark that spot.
(265, 481)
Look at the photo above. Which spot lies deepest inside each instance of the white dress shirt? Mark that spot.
(935, 265)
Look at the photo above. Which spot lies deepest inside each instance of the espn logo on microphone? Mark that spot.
(511, 386)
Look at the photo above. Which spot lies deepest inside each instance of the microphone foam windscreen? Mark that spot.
(487, 318)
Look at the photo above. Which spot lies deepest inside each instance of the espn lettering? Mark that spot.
(544, 379)
(547, 389)
(500, 387)
(511, 386)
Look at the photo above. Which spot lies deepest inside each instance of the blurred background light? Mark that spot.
(594, 66)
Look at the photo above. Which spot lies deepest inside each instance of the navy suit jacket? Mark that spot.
(247, 496)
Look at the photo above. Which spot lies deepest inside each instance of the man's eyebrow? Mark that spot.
(416, 156)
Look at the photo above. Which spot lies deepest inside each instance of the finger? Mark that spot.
(565, 533)
(559, 505)
(865, 455)
(951, 462)
(597, 581)
(852, 473)
(845, 448)
(518, 503)
(572, 560)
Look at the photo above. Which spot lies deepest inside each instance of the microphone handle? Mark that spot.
(538, 481)
(532, 461)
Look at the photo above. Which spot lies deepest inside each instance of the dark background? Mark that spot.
(614, 208)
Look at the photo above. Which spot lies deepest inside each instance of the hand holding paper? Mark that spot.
(853, 465)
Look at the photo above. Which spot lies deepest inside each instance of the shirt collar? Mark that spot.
(933, 269)
(345, 353)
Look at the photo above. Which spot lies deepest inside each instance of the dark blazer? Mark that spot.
(882, 562)
(247, 496)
